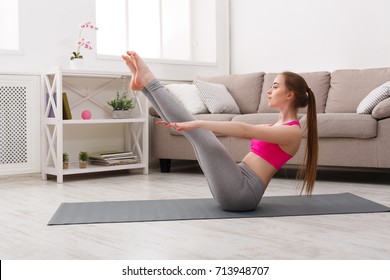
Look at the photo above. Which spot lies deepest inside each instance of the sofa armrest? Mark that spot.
(153, 112)
(382, 110)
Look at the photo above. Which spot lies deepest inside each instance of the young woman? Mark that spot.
(240, 187)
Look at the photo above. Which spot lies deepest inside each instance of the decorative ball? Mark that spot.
(86, 115)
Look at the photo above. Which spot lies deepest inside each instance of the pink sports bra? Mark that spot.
(270, 152)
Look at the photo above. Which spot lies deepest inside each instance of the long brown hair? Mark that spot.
(304, 97)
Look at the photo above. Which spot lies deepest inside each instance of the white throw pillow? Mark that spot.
(217, 98)
(189, 96)
(374, 98)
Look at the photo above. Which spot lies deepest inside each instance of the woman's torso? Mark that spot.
(262, 167)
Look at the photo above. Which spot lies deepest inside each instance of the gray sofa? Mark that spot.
(346, 138)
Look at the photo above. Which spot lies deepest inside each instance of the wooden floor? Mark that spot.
(27, 203)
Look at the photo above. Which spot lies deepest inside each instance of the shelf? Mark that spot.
(87, 73)
(53, 121)
(91, 94)
(74, 168)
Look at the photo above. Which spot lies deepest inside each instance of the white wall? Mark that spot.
(50, 28)
(299, 35)
(309, 35)
(48, 32)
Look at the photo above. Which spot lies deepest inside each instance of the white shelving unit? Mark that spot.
(91, 89)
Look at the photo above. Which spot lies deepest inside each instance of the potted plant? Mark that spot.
(121, 106)
(65, 160)
(83, 159)
(76, 59)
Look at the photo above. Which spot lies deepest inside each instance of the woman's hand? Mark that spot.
(181, 126)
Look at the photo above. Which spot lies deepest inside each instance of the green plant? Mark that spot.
(121, 102)
(65, 157)
(83, 156)
(76, 55)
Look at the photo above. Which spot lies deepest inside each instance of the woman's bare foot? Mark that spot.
(133, 70)
(141, 72)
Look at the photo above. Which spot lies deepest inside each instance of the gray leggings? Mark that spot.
(234, 186)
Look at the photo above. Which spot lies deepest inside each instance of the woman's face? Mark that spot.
(278, 94)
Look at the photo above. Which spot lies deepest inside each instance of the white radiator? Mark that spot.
(19, 124)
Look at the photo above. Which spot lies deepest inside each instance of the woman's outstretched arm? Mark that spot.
(274, 134)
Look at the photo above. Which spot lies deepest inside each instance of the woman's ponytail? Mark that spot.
(304, 97)
(308, 172)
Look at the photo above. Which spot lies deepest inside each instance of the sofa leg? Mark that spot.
(165, 165)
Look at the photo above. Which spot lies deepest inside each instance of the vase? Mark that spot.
(121, 114)
(76, 64)
(65, 165)
(83, 164)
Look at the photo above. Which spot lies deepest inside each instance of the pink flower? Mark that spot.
(81, 42)
(87, 45)
(88, 25)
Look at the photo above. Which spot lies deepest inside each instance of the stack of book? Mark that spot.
(114, 158)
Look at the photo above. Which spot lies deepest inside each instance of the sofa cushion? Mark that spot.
(245, 89)
(317, 81)
(374, 98)
(257, 118)
(344, 125)
(217, 98)
(349, 87)
(382, 110)
(207, 117)
(215, 117)
(260, 118)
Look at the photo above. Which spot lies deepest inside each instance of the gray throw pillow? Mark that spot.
(382, 110)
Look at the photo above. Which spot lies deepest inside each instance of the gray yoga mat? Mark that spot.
(205, 208)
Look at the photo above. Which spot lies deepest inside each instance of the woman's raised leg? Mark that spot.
(230, 184)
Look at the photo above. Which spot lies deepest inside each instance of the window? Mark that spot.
(9, 25)
(170, 30)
